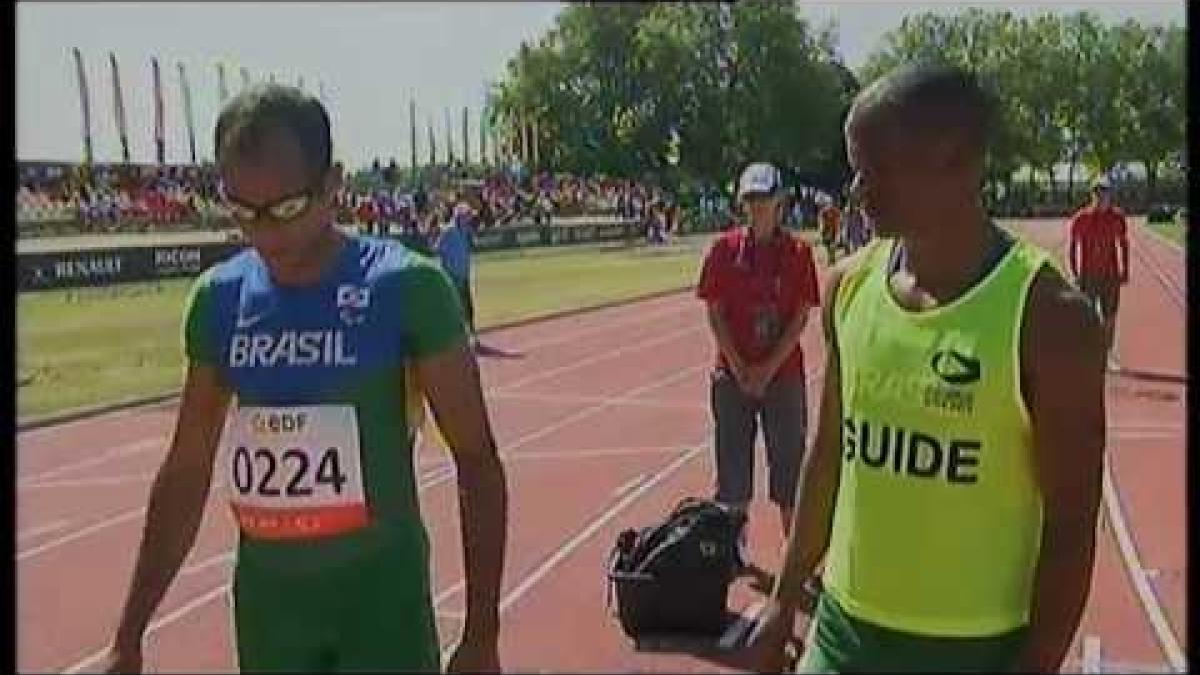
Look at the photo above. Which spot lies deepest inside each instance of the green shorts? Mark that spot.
(373, 614)
(840, 643)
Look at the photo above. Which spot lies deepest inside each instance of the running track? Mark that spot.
(603, 424)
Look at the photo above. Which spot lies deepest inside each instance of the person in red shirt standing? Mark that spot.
(759, 284)
(1097, 232)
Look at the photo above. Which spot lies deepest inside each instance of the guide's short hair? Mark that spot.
(250, 117)
(927, 98)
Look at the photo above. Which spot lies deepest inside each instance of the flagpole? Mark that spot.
(187, 111)
(482, 138)
(449, 140)
(160, 142)
(119, 108)
(466, 139)
(432, 143)
(84, 107)
(412, 135)
(222, 87)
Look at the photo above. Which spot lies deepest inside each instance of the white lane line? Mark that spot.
(603, 356)
(812, 378)
(741, 627)
(1149, 425)
(628, 485)
(592, 528)
(1090, 662)
(575, 335)
(127, 450)
(563, 398)
(215, 559)
(434, 478)
(79, 534)
(42, 529)
(94, 658)
(430, 479)
(1134, 434)
(582, 536)
(113, 415)
(582, 414)
(99, 481)
(1177, 294)
(445, 594)
(1133, 566)
(571, 454)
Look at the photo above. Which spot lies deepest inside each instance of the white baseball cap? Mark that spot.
(759, 178)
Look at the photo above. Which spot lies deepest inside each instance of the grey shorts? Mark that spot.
(783, 413)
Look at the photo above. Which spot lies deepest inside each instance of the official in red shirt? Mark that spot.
(1098, 232)
(759, 284)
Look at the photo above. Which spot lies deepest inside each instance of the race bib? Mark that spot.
(295, 472)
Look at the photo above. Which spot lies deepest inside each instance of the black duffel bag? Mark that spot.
(674, 577)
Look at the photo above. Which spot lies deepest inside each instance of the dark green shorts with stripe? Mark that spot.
(840, 643)
(371, 614)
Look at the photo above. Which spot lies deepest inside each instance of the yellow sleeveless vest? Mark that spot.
(938, 519)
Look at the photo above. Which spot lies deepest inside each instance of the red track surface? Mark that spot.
(604, 425)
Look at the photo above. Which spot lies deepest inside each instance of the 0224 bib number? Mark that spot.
(296, 472)
(290, 474)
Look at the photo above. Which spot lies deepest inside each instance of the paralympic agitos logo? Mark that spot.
(955, 368)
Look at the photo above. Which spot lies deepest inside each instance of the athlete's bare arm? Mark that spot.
(450, 380)
(812, 517)
(1062, 373)
(176, 505)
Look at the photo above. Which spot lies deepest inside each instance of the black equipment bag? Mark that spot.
(673, 578)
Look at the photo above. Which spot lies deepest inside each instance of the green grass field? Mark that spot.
(92, 346)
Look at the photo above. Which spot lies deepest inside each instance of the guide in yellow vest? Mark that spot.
(954, 482)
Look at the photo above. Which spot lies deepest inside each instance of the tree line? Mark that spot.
(688, 92)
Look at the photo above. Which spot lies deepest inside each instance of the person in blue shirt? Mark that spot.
(454, 250)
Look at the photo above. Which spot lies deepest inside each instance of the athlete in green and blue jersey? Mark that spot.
(325, 343)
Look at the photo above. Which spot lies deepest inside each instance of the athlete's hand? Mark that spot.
(755, 381)
(768, 641)
(474, 656)
(739, 372)
(122, 660)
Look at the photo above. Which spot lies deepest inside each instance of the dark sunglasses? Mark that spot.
(281, 210)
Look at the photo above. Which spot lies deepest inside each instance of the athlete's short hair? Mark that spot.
(250, 117)
(928, 98)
